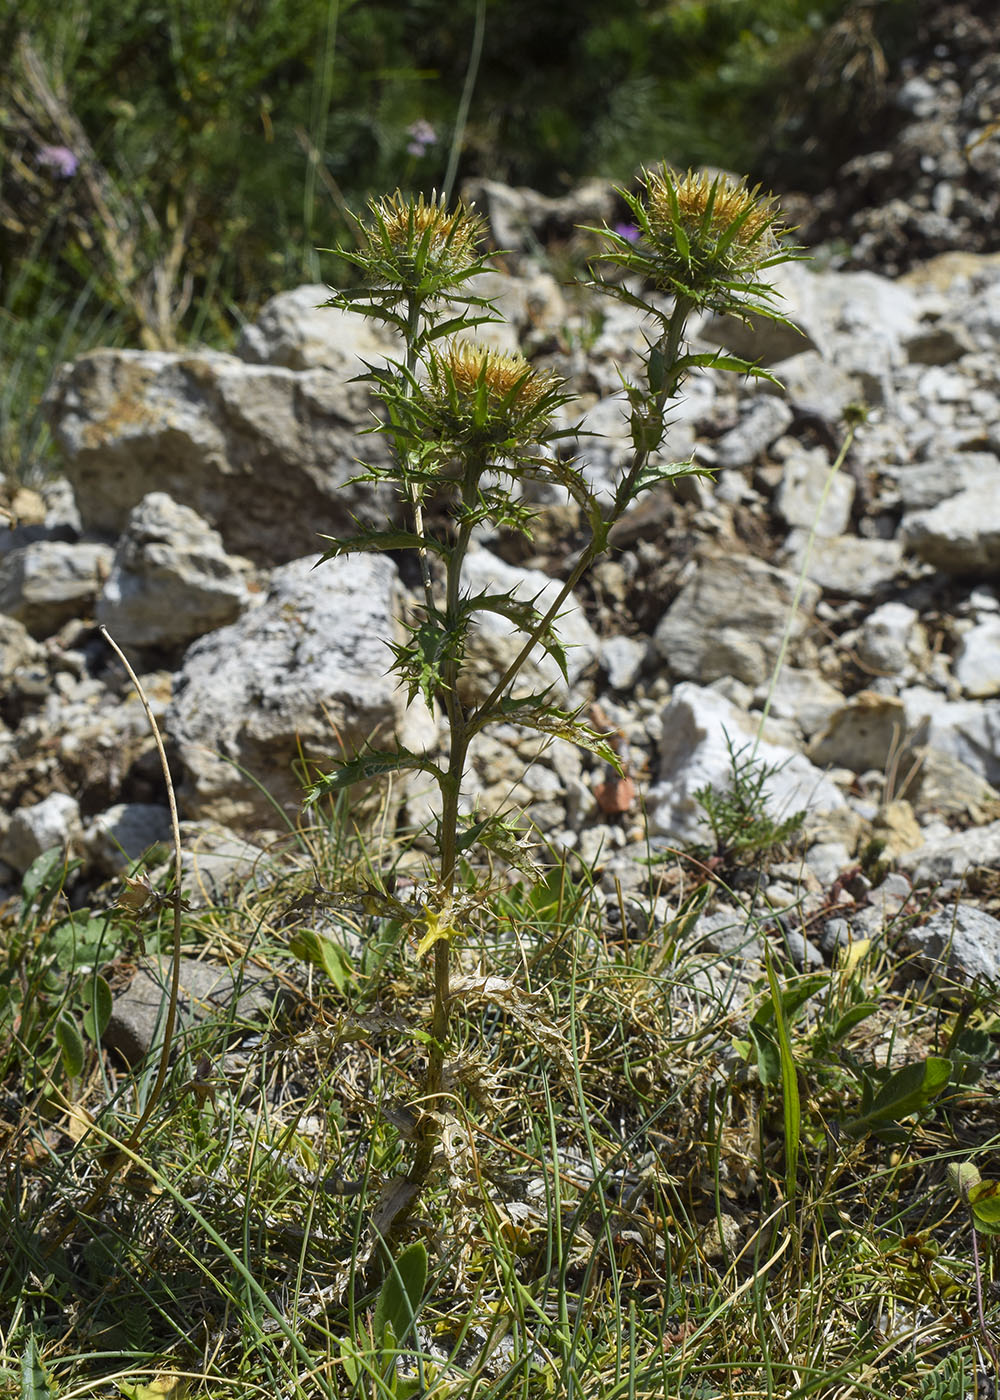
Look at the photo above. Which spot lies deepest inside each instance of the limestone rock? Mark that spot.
(46, 583)
(698, 727)
(294, 329)
(125, 832)
(960, 535)
(802, 697)
(923, 485)
(848, 566)
(969, 730)
(862, 735)
(170, 580)
(952, 855)
(301, 676)
(766, 421)
(264, 454)
(730, 619)
(55, 821)
(977, 661)
(800, 498)
(206, 989)
(891, 637)
(960, 944)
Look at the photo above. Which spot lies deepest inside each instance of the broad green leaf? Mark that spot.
(70, 1042)
(401, 1294)
(852, 1018)
(793, 997)
(906, 1091)
(41, 872)
(97, 1014)
(768, 1054)
(311, 947)
(984, 1199)
(962, 1177)
(36, 1383)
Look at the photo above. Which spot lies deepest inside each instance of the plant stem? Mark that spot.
(670, 344)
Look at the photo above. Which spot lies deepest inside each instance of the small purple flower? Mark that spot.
(421, 135)
(59, 159)
(627, 231)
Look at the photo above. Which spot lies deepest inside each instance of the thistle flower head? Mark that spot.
(412, 243)
(703, 237)
(480, 399)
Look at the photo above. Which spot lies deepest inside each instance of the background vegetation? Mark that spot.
(166, 166)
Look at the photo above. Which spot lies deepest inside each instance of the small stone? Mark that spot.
(826, 859)
(622, 658)
(887, 638)
(848, 566)
(948, 855)
(766, 421)
(53, 822)
(961, 944)
(206, 990)
(862, 734)
(800, 498)
(977, 661)
(123, 833)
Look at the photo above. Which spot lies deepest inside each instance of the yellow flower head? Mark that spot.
(485, 398)
(729, 229)
(468, 367)
(409, 238)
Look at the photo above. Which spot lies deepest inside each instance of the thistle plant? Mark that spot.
(467, 428)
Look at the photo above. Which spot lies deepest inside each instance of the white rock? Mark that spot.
(729, 620)
(767, 420)
(294, 329)
(622, 658)
(947, 855)
(968, 730)
(848, 566)
(862, 735)
(265, 454)
(889, 637)
(297, 677)
(171, 580)
(46, 583)
(694, 754)
(977, 661)
(53, 822)
(925, 484)
(814, 385)
(800, 498)
(803, 697)
(960, 535)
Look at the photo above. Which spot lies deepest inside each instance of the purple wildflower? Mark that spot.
(627, 231)
(59, 159)
(421, 135)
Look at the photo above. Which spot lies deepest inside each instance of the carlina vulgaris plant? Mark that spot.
(469, 425)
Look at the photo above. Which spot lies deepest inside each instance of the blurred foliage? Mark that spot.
(214, 146)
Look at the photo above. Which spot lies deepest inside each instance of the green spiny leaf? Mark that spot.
(372, 763)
